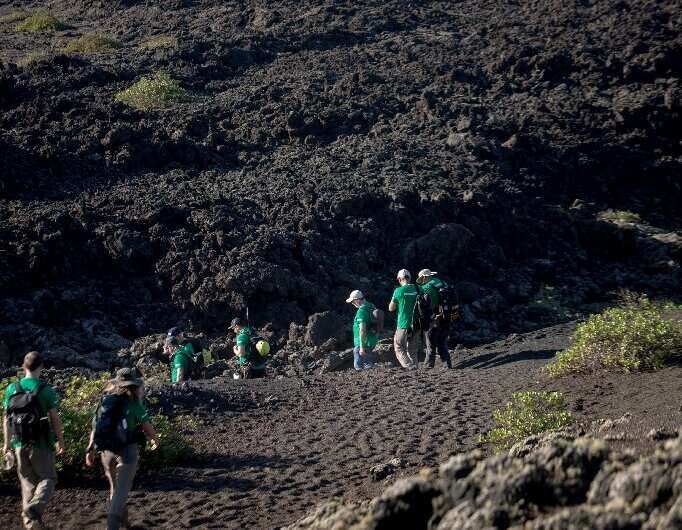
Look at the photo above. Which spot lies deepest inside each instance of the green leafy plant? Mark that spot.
(40, 22)
(91, 43)
(159, 42)
(152, 92)
(639, 335)
(13, 16)
(527, 414)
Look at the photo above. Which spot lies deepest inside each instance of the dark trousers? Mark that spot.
(437, 342)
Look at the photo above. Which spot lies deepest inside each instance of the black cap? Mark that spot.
(236, 322)
(174, 332)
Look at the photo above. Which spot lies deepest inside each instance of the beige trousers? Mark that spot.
(406, 347)
(120, 469)
(38, 477)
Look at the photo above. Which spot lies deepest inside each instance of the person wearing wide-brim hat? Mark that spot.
(120, 464)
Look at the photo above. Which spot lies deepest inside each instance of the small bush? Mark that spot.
(32, 57)
(14, 16)
(527, 414)
(159, 42)
(40, 22)
(637, 336)
(91, 43)
(153, 92)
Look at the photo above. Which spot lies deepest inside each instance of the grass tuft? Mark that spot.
(527, 414)
(159, 42)
(32, 57)
(40, 22)
(153, 92)
(622, 216)
(14, 16)
(640, 335)
(91, 43)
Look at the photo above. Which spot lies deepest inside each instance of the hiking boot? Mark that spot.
(32, 520)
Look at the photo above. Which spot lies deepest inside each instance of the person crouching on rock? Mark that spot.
(29, 404)
(250, 364)
(119, 429)
(405, 342)
(180, 359)
(364, 335)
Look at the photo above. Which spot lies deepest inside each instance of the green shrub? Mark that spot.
(40, 22)
(637, 336)
(152, 92)
(527, 414)
(159, 42)
(14, 16)
(32, 57)
(76, 410)
(91, 43)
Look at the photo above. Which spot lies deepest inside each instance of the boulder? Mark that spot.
(324, 326)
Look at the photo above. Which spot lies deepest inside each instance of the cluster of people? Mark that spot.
(424, 309)
(33, 436)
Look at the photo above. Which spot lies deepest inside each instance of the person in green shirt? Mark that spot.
(364, 334)
(436, 338)
(120, 466)
(405, 342)
(250, 364)
(35, 459)
(181, 358)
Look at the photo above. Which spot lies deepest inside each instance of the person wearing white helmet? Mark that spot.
(436, 337)
(405, 342)
(364, 332)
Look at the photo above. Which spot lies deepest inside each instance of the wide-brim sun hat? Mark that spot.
(355, 295)
(126, 377)
(425, 273)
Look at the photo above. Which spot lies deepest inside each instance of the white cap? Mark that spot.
(404, 273)
(355, 295)
(425, 273)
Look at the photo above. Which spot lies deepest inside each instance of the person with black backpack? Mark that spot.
(365, 329)
(442, 304)
(407, 338)
(32, 426)
(120, 428)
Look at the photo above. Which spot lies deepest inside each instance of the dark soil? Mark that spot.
(327, 146)
(273, 449)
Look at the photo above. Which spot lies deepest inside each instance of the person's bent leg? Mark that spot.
(43, 464)
(430, 347)
(413, 344)
(443, 350)
(400, 347)
(125, 474)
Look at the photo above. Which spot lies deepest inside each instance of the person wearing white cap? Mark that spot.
(436, 337)
(405, 342)
(364, 333)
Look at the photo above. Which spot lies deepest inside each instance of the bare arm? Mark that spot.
(57, 428)
(5, 434)
(240, 351)
(181, 375)
(362, 329)
(392, 306)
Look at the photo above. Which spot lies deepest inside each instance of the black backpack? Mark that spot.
(448, 303)
(27, 419)
(196, 360)
(110, 424)
(421, 316)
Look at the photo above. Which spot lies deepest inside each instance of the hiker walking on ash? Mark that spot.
(406, 341)
(120, 429)
(32, 426)
(367, 319)
(442, 301)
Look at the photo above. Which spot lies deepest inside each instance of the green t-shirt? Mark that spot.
(364, 315)
(431, 288)
(182, 358)
(244, 339)
(405, 297)
(137, 415)
(47, 399)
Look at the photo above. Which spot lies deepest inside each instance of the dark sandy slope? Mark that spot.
(276, 448)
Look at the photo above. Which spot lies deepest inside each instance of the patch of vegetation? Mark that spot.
(77, 408)
(153, 92)
(14, 16)
(527, 414)
(40, 22)
(623, 216)
(639, 335)
(159, 42)
(91, 43)
(32, 57)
